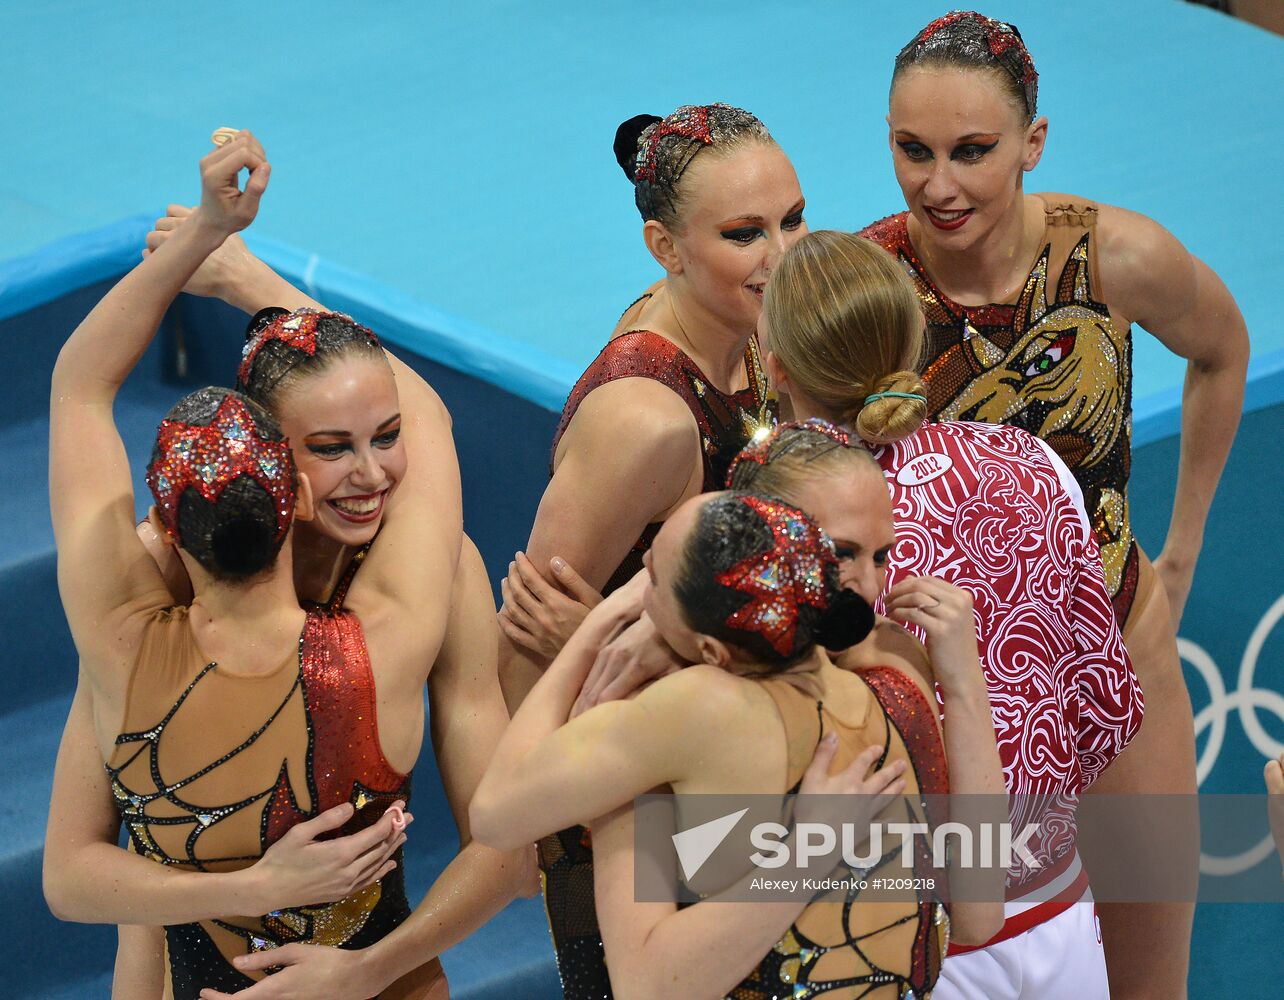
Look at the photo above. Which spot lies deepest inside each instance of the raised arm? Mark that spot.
(402, 593)
(233, 274)
(1156, 282)
(104, 574)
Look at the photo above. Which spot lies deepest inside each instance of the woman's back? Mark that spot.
(213, 765)
(876, 948)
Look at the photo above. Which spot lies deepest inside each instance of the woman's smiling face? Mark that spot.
(344, 425)
(740, 212)
(960, 148)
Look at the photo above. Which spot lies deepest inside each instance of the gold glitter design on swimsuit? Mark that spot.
(1055, 365)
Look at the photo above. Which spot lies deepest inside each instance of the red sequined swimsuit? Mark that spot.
(212, 767)
(983, 507)
(726, 422)
(1053, 362)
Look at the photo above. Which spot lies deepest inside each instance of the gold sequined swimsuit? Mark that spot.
(1054, 363)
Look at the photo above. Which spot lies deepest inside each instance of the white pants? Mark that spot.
(1060, 959)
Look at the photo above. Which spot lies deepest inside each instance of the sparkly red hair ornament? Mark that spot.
(999, 36)
(209, 458)
(690, 122)
(760, 450)
(791, 574)
(297, 329)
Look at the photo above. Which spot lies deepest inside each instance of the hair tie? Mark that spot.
(898, 395)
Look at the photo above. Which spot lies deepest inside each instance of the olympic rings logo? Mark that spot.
(1246, 700)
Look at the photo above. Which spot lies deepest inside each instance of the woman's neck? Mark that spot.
(716, 347)
(319, 562)
(808, 666)
(992, 269)
(803, 407)
(250, 623)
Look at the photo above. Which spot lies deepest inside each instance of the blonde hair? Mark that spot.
(844, 322)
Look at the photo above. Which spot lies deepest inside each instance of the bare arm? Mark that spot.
(234, 275)
(1155, 281)
(548, 774)
(404, 602)
(89, 879)
(140, 963)
(656, 950)
(629, 457)
(971, 750)
(468, 717)
(103, 570)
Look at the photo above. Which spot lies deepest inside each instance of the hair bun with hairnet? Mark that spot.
(846, 622)
(261, 319)
(626, 143)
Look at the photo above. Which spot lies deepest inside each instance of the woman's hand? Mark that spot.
(856, 795)
(541, 617)
(633, 658)
(224, 206)
(307, 972)
(230, 267)
(944, 613)
(299, 869)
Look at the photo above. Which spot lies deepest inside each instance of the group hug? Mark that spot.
(831, 512)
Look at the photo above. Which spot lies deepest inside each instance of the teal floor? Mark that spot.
(461, 153)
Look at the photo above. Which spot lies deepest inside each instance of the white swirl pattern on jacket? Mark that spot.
(999, 523)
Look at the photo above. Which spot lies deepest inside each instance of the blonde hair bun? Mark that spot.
(891, 418)
(845, 323)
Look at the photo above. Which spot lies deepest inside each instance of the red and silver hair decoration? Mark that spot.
(791, 574)
(211, 457)
(763, 450)
(298, 329)
(1000, 37)
(690, 122)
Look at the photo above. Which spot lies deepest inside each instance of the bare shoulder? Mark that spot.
(707, 696)
(1146, 273)
(890, 645)
(632, 316)
(643, 412)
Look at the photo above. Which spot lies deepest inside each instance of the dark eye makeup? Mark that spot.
(968, 152)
